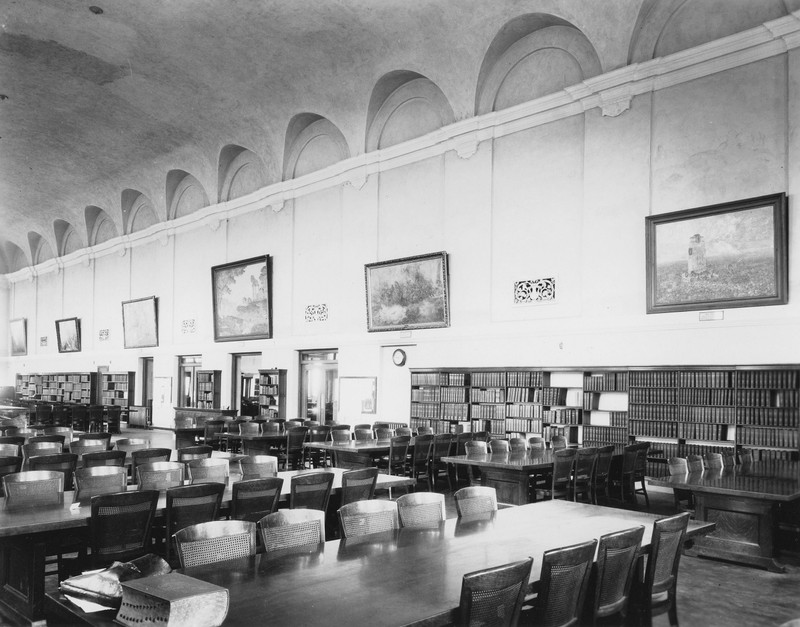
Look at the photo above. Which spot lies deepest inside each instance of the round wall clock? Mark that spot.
(399, 357)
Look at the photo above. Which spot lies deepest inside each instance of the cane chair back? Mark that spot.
(113, 418)
(189, 505)
(270, 428)
(684, 500)
(159, 475)
(360, 518)
(258, 466)
(661, 574)
(563, 465)
(55, 437)
(694, 463)
(475, 500)
(97, 437)
(80, 417)
(563, 584)
(364, 434)
(292, 457)
(499, 447)
(97, 480)
(518, 445)
(189, 453)
(341, 435)
(292, 424)
(617, 554)
(311, 490)
(384, 433)
(421, 509)
(583, 476)
(23, 432)
(602, 472)
(252, 499)
(17, 440)
(398, 454)
(10, 450)
(149, 455)
(9, 465)
(640, 472)
(81, 448)
(558, 442)
(215, 541)
(61, 462)
(712, 461)
(537, 443)
(212, 429)
(95, 415)
(34, 488)
(420, 460)
(121, 526)
(208, 471)
(442, 444)
(286, 529)
(39, 448)
(404, 432)
(131, 444)
(60, 430)
(103, 458)
(476, 447)
(358, 485)
(425, 431)
(494, 596)
(250, 428)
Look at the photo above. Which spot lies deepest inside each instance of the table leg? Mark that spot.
(511, 486)
(22, 576)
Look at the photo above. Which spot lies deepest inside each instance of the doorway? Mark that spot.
(245, 383)
(147, 381)
(319, 389)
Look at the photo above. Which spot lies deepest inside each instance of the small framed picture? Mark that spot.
(140, 322)
(19, 336)
(68, 334)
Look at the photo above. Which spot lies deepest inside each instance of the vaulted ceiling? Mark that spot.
(110, 104)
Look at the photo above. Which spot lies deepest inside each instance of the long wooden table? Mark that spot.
(410, 577)
(26, 536)
(742, 502)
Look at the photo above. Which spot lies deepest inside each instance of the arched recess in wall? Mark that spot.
(241, 172)
(12, 258)
(41, 250)
(67, 238)
(667, 26)
(532, 56)
(404, 105)
(312, 143)
(137, 211)
(99, 226)
(185, 194)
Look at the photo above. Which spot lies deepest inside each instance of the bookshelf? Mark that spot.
(682, 410)
(117, 388)
(208, 388)
(58, 387)
(272, 392)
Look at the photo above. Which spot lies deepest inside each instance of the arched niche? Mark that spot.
(312, 143)
(13, 257)
(185, 194)
(531, 57)
(137, 211)
(41, 250)
(404, 105)
(240, 172)
(67, 238)
(99, 226)
(664, 27)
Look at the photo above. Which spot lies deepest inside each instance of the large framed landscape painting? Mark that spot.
(140, 322)
(68, 334)
(721, 256)
(408, 293)
(242, 300)
(19, 336)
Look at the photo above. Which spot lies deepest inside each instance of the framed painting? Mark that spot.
(408, 293)
(140, 322)
(19, 336)
(729, 255)
(242, 300)
(68, 335)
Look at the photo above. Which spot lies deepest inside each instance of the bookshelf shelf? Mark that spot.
(208, 389)
(117, 388)
(272, 393)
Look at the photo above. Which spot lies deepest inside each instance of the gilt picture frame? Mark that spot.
(408, 293)
(733, 254)
(18, 330)
(242, 298)
(140, 322)
(68, 335)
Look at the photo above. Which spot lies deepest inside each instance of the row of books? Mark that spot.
(455, 411)
(489, 412)
(653, 396)
(610, 435)
(768, 398)
(726, 415)
(568, 416)
(116, 378)
(439, 378)
(524, 411)
(776, 379)
(425, 411)
(654, 429)
(768, 416)
(774, 455)
(653, 412)
(112, 400)
(525, 379)
(488, 379)
(551, 396)
(426, 395)
(492, 395)
(705, 396)
(690, 448)
(706, 379)
(272, 390)
(618, 418)
(520, 395)
(606, 382)
(114, 385)
(454, 394)
(785, 438)
(497, 427)
(618, 446)
(653, 378)
(516, 425)
(702, 431)
(266, 400)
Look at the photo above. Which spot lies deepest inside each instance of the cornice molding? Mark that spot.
(611, 92)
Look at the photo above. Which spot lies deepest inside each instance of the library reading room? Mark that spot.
(391, 313)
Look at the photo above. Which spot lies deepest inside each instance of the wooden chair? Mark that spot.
(33, 449)
(270, 428)
(396, 462)
(425, 431)
(475, 447)
(461, 472)
(208, 471)
(61, 462)
(602, 473)
(113, 418)
(659, 594)
(684, 500)
(149, 455)
(360, 518)
(96, 414)
(421, 509)
(358, 485)
(403, 432)
(131, 444)
(104, 458)
(287, 529)
(420, 461)
(258, 466)
(211, 432)
(10, 450)
(318, 458)
(292, 424)
(44, 414)
(33, 488)
(384, 433)
(17, 440)
(561, 483)
(292, 456)
(341, 434)
(97, 480)
(190, 505)
(159, 475)
(121, 526)
(475, 500)
(188, 453)
(499, 447)
(9, 465)
(621, 486)
(442, 444)
(80, 417)
(494, 596)
(712, 461)
(537, 443)
(640, 473)
(60, 430)
(518, 445)
(615, 570)
(364, 434)
(81, 448)
(563, 585)
(583, 474)
(311, 490)
(215, 541)
(558, 442)
(694, 463)
(99, 437)
(252, 499)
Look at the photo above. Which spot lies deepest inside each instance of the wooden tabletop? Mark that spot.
(17, 522)
(532, 460)
(768, 480)
(399, 578)
(355, 446)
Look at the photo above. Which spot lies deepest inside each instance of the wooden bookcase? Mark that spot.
(117, 388)
(209, 383)
(58, 387)
(272, 392)
(682, 410)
